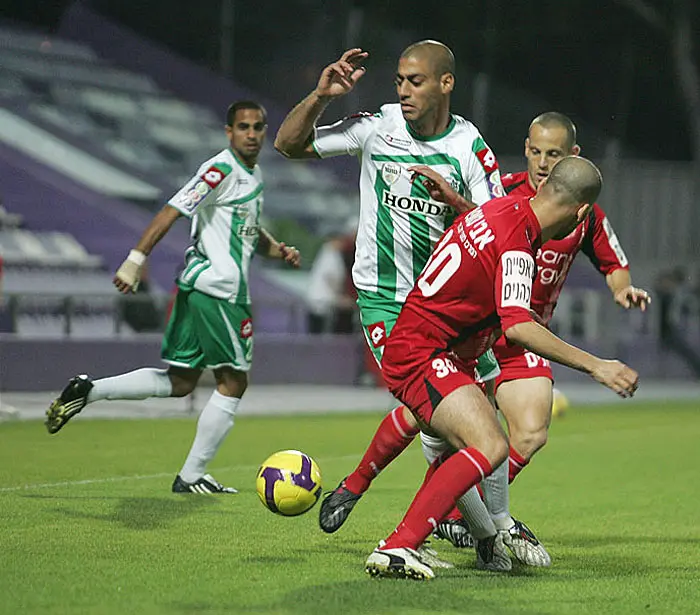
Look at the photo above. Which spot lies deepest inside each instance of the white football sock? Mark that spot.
(213, 426)
(496, 496)
(470, 504)
(474, 511)
(433, 447)
(139, 384)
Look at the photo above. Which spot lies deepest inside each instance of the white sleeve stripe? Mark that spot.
(615, 243)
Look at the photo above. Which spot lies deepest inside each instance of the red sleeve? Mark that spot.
(515, 272)
(601, 244)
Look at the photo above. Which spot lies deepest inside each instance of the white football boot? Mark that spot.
(401, 563)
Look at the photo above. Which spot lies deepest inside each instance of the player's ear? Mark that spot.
(582, 212)
(527, 145)
(229, 131)
(447, 83)
(576, 149)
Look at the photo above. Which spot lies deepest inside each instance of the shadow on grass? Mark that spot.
(141, 513)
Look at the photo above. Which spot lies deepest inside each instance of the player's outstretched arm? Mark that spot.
(294, 136)
(127, 277)
(439, 189)
(270, 247)
(628, 296)
(613, 374)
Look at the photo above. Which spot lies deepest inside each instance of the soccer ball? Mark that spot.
(289, 483)
(560, 404)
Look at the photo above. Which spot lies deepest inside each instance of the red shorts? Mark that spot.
(422, 381)
(517, 363)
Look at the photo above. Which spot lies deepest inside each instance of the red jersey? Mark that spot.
(477, 281)
(595, 238)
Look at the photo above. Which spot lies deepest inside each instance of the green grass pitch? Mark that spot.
(89, 524)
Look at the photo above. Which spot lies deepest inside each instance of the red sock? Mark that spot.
(453, 515)
(392, 437)
(452, 479)
(516, 462)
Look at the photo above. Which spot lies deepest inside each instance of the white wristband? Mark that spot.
(137, 257)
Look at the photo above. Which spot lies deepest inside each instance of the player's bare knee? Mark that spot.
(409, 418)
(183, 381)
(231, 382)
(495, 450)
(527, 443)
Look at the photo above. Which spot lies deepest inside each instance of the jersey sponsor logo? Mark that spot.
(495, 185)
(398, 142)
(415, 205)
(248, 231)
(485, 155)
(551, 265)
(377, 334)
(246, 328)
(517, 271)
(391, 172)
(615, 243)
(213, 177)
(184, 201)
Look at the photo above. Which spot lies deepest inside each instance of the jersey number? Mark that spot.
(443, 264)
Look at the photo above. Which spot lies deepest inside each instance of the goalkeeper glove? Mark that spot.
(130, 270)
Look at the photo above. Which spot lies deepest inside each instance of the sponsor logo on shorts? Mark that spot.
(377, 334)
(534, 360)
(246, 328)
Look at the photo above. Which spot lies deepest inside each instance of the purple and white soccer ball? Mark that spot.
(289, 483)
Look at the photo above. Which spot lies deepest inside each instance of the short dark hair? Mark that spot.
(575, 179)
(440, 55)
(554, 118)
(243, 104)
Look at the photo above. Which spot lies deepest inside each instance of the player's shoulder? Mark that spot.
(598, 211)
(222, 162)
(514, 179)
(464, 126)
(508, 211)
(367, 117)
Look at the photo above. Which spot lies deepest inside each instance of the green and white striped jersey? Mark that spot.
(224, 200)
(399, 223)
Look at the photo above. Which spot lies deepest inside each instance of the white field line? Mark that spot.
(135, 477)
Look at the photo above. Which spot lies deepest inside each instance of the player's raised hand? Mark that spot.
(617, 376)
(340, 77)
(290, 254)
(438, 188)
(631, 297)
(128, 275)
